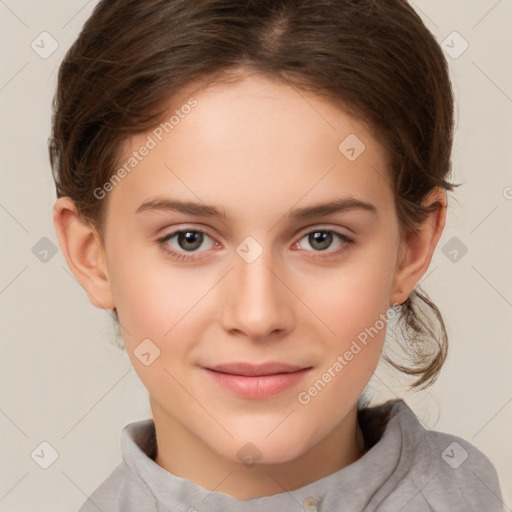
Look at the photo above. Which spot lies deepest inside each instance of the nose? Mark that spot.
(257, 301)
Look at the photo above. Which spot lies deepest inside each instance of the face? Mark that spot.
(264, 280)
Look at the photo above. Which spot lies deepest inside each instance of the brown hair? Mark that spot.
(373, 58)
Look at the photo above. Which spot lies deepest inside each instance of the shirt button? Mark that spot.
(311, 504)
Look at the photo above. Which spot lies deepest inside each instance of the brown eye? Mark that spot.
(185, 244)
(320, 240)
(189, 240)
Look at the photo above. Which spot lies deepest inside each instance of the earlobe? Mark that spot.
(416, 251)
(83, 252)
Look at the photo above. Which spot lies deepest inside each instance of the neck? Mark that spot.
(183, 454)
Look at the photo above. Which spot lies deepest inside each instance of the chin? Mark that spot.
(260, 450)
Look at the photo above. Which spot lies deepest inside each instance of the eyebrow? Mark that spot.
(203, 210)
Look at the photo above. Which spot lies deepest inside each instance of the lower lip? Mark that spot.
(263, 386)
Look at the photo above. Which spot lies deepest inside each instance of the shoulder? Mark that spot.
(461, 468)
(120, 491)
(448, 471)
(125, 489)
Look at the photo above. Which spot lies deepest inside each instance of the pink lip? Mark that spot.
(257, 381)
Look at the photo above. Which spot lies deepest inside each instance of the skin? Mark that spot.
(256, 149)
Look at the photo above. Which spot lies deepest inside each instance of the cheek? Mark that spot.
(356, 313)
(158, 301)
(160, 321)
(355, 296)
(145, 294)
(354, 305)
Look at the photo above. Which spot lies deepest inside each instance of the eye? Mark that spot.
(179, 243)
(183, 245)
(321, 239)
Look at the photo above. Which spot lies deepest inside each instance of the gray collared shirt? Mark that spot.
(407, 469)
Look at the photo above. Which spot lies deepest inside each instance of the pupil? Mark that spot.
(321, 237)
(188, 238)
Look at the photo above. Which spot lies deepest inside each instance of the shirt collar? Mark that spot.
(374, 468)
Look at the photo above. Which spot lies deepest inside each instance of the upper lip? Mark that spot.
(251, 370)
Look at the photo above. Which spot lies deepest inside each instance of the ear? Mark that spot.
(82, 248)
(415, 252)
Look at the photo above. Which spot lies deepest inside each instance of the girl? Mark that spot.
(254, 189)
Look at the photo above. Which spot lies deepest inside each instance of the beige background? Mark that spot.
(63, 381)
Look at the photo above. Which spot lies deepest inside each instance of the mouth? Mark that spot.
(255, 370)
(256, 381)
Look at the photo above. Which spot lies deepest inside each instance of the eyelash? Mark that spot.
(183, 256)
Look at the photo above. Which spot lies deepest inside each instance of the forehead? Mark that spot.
(255, 143)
